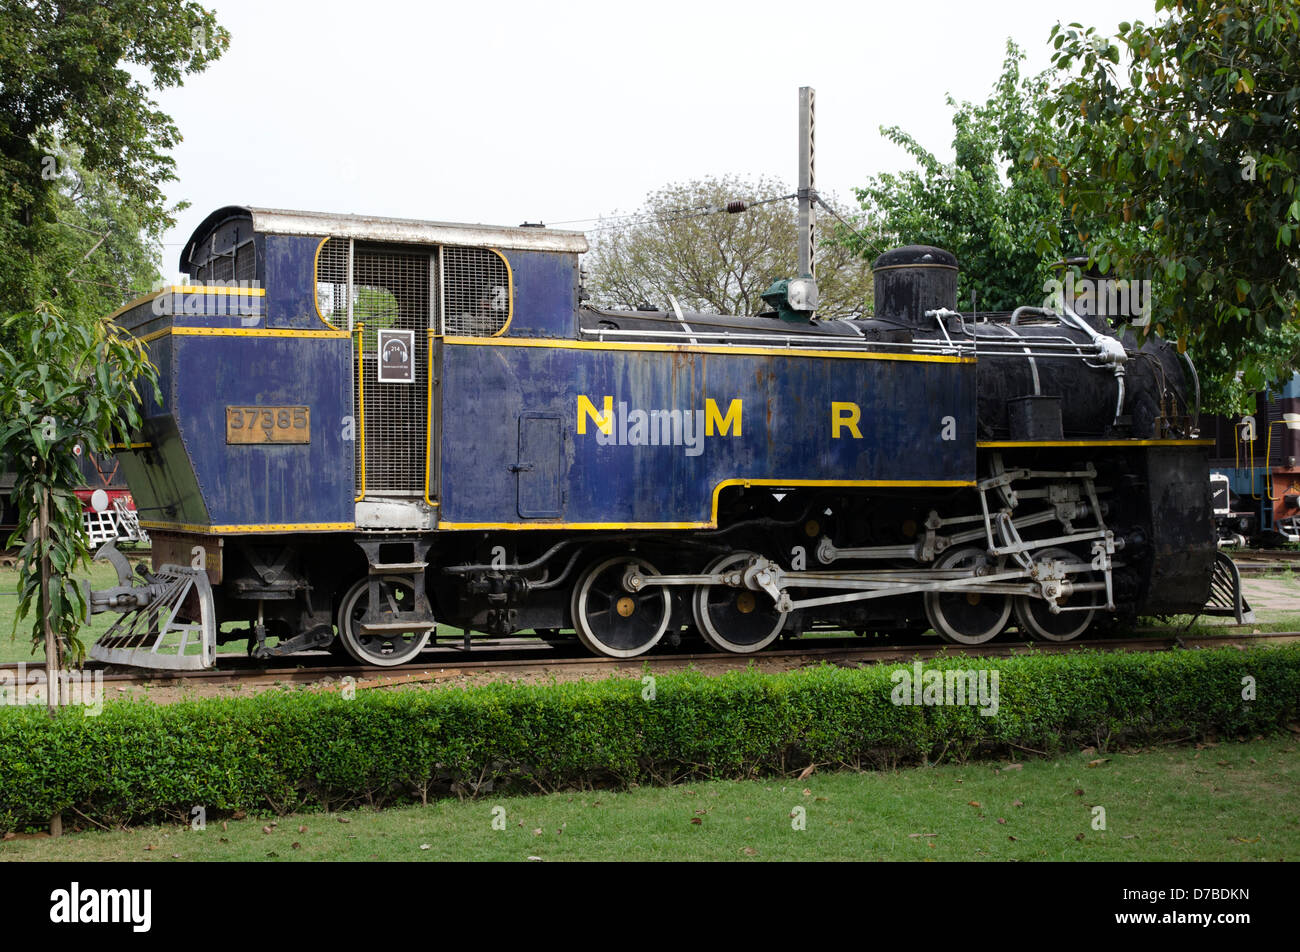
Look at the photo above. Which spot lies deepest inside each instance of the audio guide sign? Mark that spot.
(396, 356)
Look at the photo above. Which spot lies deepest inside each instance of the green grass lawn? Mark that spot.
(19, 648)
(101, 576)
(1230, 801)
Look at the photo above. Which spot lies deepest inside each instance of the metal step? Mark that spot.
(420, 615)
(409, 624)
(398, 568)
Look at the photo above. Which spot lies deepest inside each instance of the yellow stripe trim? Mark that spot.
(510, 290)
(120, 447)
(136, 303)
(269, 527)
(999, 444)
(257, 332)
(315, 285)
(717, 492)
(428, 424)
(361, 412)
(463, 526)
(243, 332)
(213, 289)
(186, 289)
(701, 349)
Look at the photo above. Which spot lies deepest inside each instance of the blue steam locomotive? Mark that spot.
(371, 426)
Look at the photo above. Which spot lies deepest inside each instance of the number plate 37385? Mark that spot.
(268, 424)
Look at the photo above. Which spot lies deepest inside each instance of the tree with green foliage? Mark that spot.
(1180, 141)
(987, 206)
(68, 99)
(101, 251)
(683, 242)
(66, 384)
(83, 161)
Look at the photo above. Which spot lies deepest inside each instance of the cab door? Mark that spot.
(541, 450)
(393, 308)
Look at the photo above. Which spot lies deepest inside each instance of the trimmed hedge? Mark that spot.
(292, 750)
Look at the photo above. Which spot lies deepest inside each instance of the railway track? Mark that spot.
(1292, 555)
(506, 660)
(1256, 562)
(9, 557)
(1264, 570)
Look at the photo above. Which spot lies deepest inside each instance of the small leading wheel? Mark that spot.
(735, 619)
(967, 618)
(388, 648)
(1034, 616)
(612, 621)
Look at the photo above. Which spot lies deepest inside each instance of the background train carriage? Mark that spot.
(108, 509)
(371, 423)
(1256, 465)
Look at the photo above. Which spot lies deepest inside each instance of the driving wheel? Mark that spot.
(731, 619)
(967, 618)
(612, 621)
(1035, 617)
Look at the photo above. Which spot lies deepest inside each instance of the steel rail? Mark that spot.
(838, 650)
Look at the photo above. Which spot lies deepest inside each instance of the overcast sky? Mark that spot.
(504, 112)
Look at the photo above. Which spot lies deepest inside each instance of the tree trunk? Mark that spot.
(52, 679)
(51, 644)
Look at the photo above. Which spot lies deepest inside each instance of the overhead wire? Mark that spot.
(732, 206)
(870, 246)
(705, 209)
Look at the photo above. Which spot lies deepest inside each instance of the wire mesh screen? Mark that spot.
(223, 267)
(245, 262)
(476, 291)
(332, 282)
(391, 289)
(332, 269)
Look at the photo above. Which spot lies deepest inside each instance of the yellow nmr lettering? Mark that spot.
(715, 421)
(845, 415)
(604, 420)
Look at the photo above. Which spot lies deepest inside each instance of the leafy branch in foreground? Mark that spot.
(1180, 140)
(67, 384)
